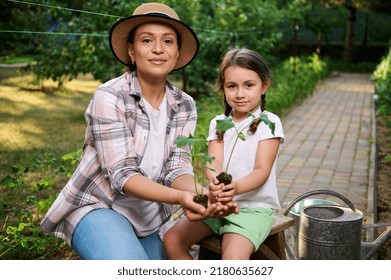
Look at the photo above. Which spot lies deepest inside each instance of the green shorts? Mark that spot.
(252, 223)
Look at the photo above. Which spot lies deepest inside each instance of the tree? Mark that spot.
(76, 35)
(352, 7)
(13, 18)
(222, 23)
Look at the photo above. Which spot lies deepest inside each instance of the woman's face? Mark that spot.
(155, 49)
(243, 89)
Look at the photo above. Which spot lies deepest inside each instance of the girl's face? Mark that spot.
(154, 50)
(243, 89)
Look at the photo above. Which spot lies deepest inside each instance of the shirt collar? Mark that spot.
(173, 94)
(257, 113)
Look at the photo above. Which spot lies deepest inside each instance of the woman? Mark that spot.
(117, 205)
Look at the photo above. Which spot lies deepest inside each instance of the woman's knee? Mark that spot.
(106, 234)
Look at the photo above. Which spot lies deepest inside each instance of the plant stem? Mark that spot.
(232, 150)
(195, 184)
(236, 140)
(203, 172)
(193, 159)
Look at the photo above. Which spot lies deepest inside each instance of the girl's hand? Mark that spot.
(226, 209)
(215, 188)
(227, 194)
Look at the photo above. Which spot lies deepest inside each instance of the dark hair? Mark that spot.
(132, 32)
(246, 58)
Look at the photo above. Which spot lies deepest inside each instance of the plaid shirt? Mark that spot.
(115, 141)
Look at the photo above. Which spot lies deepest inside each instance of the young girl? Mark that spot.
(244, 79)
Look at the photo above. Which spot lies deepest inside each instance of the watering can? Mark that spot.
(333, 232)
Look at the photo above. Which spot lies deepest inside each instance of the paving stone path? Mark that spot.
(330, 143)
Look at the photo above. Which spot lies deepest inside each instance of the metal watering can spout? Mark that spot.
(330, 231)
(369, 249)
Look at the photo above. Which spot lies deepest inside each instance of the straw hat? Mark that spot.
(153, 12)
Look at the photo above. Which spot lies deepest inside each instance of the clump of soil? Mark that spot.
(201, 199)
(224, 178)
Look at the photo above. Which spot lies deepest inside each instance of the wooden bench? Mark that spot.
(273, 248)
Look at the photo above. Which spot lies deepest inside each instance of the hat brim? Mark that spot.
(120, 31)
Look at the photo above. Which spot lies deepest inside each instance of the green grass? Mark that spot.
(16, 59)
(33, 122)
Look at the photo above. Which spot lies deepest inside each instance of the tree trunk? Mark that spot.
(347, 56)
(365, 40)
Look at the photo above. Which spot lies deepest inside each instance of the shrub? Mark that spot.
(21, 237)
(382, 78)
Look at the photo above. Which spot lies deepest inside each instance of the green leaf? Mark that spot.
(207, 158)
(15, 169)
(182, 141)
(224, 125)
(11, 184)
(242, 136)
(266, 120)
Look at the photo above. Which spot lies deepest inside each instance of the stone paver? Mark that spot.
(329, 143)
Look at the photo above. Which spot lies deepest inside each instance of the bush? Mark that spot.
(21, 236)
(382, 78)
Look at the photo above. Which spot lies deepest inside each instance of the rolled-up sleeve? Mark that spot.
(112, 138)
(180, 163)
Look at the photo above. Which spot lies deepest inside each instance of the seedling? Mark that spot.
(199, 159)
(224, 125)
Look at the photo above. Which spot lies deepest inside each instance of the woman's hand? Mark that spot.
(196, 212)
(193, 210)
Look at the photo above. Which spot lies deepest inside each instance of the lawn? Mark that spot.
(33, 122)
(36, 127)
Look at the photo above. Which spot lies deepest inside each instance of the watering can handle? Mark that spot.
(315, 192)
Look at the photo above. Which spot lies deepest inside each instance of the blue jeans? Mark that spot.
(104, 234)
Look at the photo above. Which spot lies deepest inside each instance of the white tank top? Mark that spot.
(154, 154)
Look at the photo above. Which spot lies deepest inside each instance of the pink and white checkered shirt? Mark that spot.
(116, 135)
